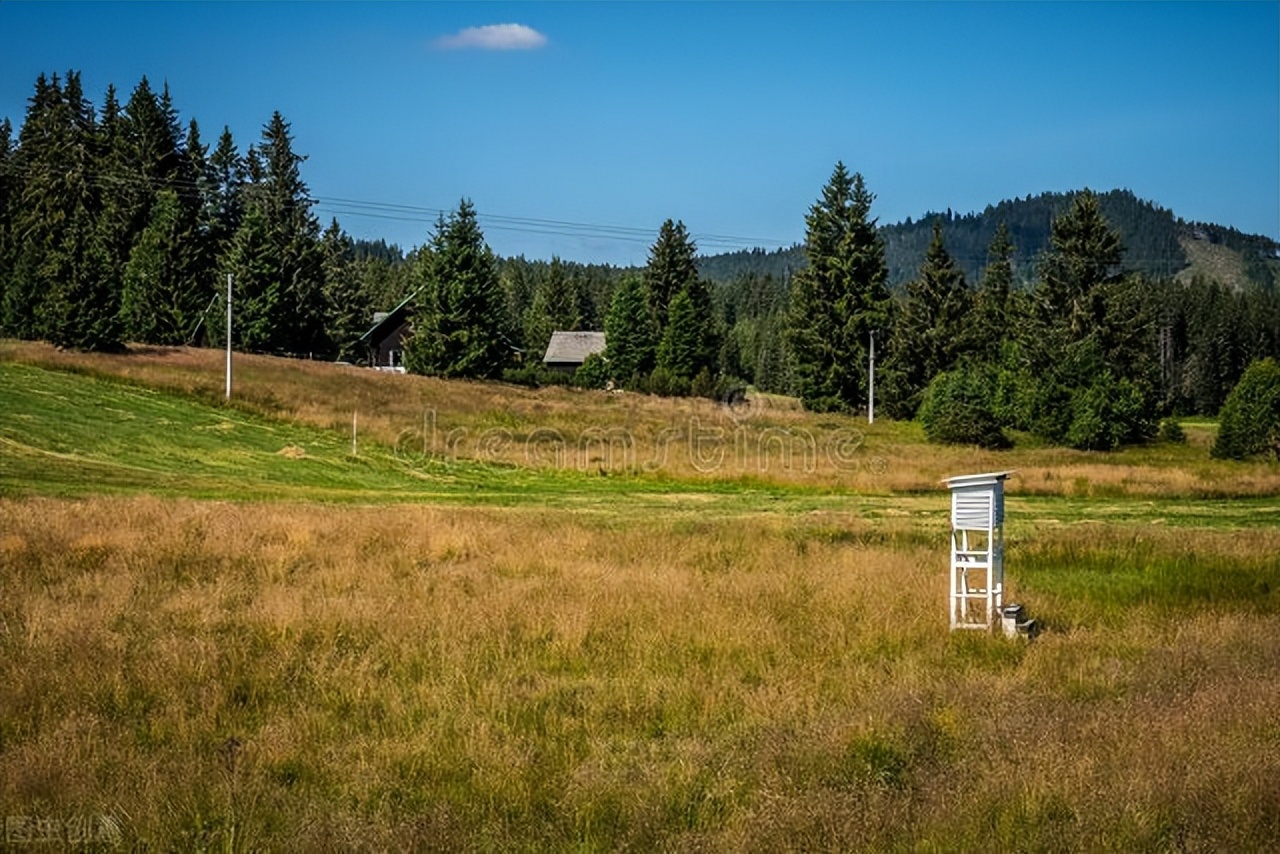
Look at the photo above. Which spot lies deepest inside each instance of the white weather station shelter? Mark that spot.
(977, 549)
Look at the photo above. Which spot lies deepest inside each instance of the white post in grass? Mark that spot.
(871, 381)
(228, 336)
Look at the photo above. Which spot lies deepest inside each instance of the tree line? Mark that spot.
(119, 224)
(1090, 355)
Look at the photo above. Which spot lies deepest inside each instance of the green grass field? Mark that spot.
(223, 630)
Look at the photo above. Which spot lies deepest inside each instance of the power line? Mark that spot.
(398, 212)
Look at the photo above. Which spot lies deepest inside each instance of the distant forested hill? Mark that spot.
(1156, 243)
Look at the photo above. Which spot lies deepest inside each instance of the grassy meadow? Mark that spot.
(531, 620)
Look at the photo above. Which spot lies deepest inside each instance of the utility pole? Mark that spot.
(228, 336)
(871, 380)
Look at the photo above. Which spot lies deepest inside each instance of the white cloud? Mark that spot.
(493, 37)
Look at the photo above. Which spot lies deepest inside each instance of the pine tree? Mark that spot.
(630, 333)
(670, 269)
(458, 323)
(839, 298)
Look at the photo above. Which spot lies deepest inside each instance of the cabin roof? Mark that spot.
(573, 347)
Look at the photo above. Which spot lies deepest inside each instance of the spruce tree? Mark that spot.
(992, 302)
(9, 186)
(689, 345)
(148, 159)
(1087, 370)
(458, 323)
(670, 269)
(287, 205)
(37, 206)
(166, 285)
(349, 312)
(1251, 415)
(275, 255)
(1084, 253)
(227, 173)
(254, 263)
(630, 334)
(62, 289)
(933, 329)
(519, 285)
(115, 170)
(839, 298)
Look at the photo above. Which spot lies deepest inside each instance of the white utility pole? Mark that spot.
(871, 381)
(228, 336)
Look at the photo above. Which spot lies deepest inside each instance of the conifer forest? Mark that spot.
(1081, 319)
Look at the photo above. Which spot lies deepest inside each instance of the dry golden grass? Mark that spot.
(276, 677)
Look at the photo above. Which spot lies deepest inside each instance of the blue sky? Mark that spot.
(612, 117)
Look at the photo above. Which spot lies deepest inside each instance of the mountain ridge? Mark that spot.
(1157, 243)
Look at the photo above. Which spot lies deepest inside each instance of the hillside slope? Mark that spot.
(155, 420)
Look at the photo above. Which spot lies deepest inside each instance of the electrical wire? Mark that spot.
(398, 212)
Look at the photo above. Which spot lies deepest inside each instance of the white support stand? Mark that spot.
(977, 549)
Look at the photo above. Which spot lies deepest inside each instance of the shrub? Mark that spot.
(1171, 431)
(705, 385)
(1106, 414)
(1249, 423)
(664, 383)
(593, 373)
(956, 409)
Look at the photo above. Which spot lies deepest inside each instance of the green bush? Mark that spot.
(1249, 423)
(1106, 414)
(956, 409)
(1171, 431)
(665, 383)
(705, 385)
(593, 373)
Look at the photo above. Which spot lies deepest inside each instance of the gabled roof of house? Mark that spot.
(573, 347)
(391, 318)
